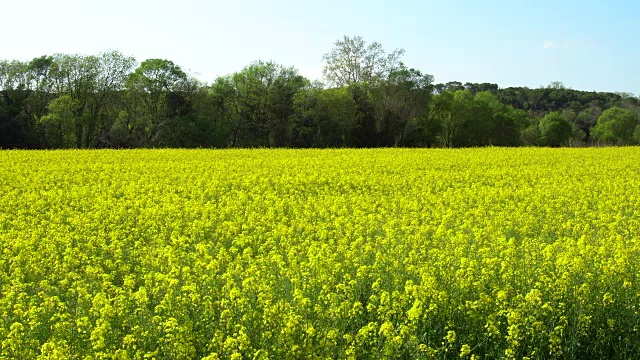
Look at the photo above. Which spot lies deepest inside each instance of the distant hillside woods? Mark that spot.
(369, 99)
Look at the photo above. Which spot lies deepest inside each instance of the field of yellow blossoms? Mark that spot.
(320, 254)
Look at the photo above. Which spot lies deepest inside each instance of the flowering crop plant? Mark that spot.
(320, 254)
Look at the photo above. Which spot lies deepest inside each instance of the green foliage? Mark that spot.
(157, 76)
(480, 120)
(352, 61)
(257, 103)
(555, 130)
(531, 136)
(615, 126)
(405, 99)
(323, 118)
(469, 121)
(152, 84)
(61, 122)
(370, 99)
(550, 99)
(14, 128)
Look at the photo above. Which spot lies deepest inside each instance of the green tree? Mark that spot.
(257, 102)
(478, 88)
(192, 120)
(531, 136)
(280, 104)
(615, 126)
(61, 122)
(365, 131)
(451, 86)
(152, 82)
(555, 130)
(14, 75)
(482, 123)
(106, 102)
(463, 120)
(39, 70)
(442, 114)
(18, 115)
(500, 122)
(405, 98)
(323, 117)
(352, 61)
(13, 126)
(94, 83)
(76, 76)
(225, 101)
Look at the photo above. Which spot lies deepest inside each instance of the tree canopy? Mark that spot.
(615, 126)
(369, 98)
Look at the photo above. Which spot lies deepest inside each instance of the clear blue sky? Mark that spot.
(588, 45)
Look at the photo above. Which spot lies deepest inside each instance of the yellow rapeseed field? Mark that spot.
(320, 254)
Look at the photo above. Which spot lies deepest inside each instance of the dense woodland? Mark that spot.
(369, 98)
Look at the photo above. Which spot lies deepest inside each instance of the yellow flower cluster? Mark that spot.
(320, 254)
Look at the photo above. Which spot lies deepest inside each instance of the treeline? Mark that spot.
(369, 99)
